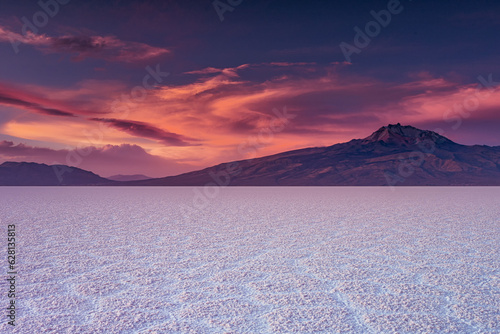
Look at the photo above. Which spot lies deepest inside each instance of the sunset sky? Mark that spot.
(85, 83)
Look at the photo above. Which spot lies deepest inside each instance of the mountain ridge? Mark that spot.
(35, 174)
(392, 155)
(129, 177)
(377, 160)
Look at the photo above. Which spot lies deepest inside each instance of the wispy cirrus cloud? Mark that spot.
(82, 100)
(109, 48)
(38, 100)
(144, 130)
(233, 71)
(12, 101)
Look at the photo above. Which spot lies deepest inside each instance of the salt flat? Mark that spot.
(255, 260)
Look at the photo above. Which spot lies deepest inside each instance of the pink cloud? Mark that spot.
(144, 130)
(13, 101)
(90, 94)
(232, 71)
(208, 70)
(12, 96)
(105, 161)
(458, 102)
(82, 46)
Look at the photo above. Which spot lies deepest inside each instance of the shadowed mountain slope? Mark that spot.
(392, 155)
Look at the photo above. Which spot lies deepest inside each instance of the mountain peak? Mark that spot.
(404, 134)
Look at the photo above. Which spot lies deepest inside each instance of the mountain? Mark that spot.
(33, 174)
(392, 155)
(134, 177)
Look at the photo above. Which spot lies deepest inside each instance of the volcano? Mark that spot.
(394, 155)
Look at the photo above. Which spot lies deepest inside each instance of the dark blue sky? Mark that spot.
(444, 37)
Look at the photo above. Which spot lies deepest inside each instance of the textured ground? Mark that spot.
(255, 260)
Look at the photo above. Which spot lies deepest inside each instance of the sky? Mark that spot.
(165, 87)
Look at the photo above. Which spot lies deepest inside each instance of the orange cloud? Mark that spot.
(205, 121)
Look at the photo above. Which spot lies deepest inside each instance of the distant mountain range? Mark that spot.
(134, 177)
(33, 174)
(393, 155)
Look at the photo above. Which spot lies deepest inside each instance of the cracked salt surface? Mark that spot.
(256, 260)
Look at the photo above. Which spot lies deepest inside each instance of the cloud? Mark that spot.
(453, 106)
(105, 161)
(86, 98)
(208, 70)
(225, 107)
(145, 130)
(96, 98)
(331, 105)
(105, 47)
(232, 71)
(109, 48)
(16, 102)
